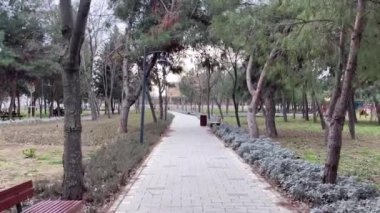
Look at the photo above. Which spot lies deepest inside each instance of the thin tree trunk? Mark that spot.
(219, 105)
(377, 106)
(337, 121)
(236, 107)
(128, 97)
(51, 103)
(18, 103)
(125, 104)
(45, 106)
(321, 118)
(112, 106)
(314, 105)
(212, 107)
(161, 102)
(294, 104)
(166, 103)
(306, 104)
(92, 99)
(151, 105)
(227, 105)
(208, 94)
(351, 115)
(338, 75)
(33, 105)
(270, 113)
(108, 107)
(251, 114)
(40, 101)
(73, 184)
(284, 107)
(12, 102)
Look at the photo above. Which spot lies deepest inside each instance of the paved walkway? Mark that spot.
(191, 171)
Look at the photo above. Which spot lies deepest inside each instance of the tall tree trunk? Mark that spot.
(314, 105)
(73, 186)
(227, 105)
(161, 102)
(92, 100)
(270, 113)
(129, 97)
(351, 115)
(40, 102)
(33, 106)
(294, 104)
(112, 106)
(12, 102)
(51, 102)
(377, 106)
(166, 102)
(236, 107)
(45, 106)
(151, 105)
(18, 103)
(219, 105)
(338, 75)
(320, 113)
(305, 103)
(208, 93)
(58, 108)
(125, 104)
(212, 107)
(337, 121)
(355, 118)
(108, 106)
(284, 107)
(251, 114)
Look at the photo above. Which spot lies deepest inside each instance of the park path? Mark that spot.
(191, 171)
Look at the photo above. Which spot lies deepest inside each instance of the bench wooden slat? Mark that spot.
(16, 194)
(15, 189)
(56, 206)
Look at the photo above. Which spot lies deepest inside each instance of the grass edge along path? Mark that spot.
(111, 167)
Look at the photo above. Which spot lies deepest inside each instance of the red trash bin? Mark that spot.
(203, 120)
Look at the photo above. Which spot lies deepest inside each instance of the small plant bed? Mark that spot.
(300, 179)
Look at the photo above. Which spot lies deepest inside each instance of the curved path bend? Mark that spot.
(190, 171)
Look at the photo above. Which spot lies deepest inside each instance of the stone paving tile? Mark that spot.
(191, 171)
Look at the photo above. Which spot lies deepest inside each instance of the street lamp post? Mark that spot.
(145, 76)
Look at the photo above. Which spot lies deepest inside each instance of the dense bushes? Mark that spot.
(299, 178)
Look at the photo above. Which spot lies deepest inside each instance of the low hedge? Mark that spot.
(300, 179)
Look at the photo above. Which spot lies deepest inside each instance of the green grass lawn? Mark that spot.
(360, 157)
(24, 113)
(46, 138)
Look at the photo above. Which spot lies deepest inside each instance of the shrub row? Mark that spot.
(300, 179)
(110, 167)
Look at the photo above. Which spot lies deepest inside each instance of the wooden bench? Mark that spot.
(215, 122)
(5, 116)
(14, 196)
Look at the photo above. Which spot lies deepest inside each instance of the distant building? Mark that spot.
(174, 94)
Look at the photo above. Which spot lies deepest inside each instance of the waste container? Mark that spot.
(203, 120)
